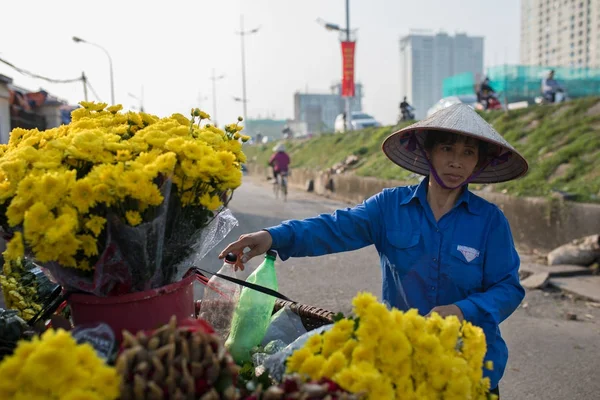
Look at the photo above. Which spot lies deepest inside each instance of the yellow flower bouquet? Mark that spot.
(390, 354)
(56, 367)
(117, 202)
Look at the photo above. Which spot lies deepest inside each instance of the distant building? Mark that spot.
(265, 127)
(319, 110)
(22, 108)
(427, 59)
(560, 33)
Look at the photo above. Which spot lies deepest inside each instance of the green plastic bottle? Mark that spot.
(252, 315)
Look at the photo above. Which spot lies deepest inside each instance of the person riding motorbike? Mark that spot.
(486, 93)
(442, 248)
(550, 87)
(279, 161)
(406, 111)
(286, 132)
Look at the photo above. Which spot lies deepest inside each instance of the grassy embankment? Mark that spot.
(561, 143)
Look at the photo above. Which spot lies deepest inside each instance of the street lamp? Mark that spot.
(345, 35)
(112, 82)
(214, 80)
(329, 26)
(243, 34)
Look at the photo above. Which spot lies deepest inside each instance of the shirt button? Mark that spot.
(433, 288)
(435, 259)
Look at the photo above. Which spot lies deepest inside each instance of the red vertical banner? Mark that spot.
(348, 49)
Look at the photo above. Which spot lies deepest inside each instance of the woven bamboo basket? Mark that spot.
(312, 317)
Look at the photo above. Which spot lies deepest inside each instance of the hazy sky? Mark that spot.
(170, 47)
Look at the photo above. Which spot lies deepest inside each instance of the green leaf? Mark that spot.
(338, 317)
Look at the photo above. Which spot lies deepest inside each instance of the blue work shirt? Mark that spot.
(467, 258)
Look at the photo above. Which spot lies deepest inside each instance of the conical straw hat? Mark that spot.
(405, 147)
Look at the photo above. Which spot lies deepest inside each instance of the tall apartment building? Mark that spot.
(561, 33)
(426, 60)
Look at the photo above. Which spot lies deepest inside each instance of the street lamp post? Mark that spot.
(214, 80)
(112, 82)
(345, 32)
(243, 34)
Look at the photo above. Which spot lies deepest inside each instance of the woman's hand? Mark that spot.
(445, 311)
(258, 243)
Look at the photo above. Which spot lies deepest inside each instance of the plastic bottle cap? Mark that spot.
(272, 253)
(230, 258)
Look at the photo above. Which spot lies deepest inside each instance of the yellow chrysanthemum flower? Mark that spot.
(82, 195)
(312, 366)
(133, 217)
(88, 245)
(114, 109)
(123, 155)
(95, 224)
(334, 364)
(14, 248)
(314, 344)
(361, 302)
(295, 361)
(210, 202)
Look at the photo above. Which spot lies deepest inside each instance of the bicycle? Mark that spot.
(281, 185)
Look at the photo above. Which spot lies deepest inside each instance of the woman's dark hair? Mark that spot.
(443, 137)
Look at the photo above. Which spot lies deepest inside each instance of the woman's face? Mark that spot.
(455, 162)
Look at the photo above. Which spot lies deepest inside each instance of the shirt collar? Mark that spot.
(419, 192)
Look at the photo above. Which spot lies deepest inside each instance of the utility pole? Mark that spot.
(84, 80)
(214, 80)
(345, 37)
(243, 34)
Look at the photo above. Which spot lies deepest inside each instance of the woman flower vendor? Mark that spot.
(442, 248)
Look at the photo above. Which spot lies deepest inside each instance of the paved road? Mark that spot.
(551, 358)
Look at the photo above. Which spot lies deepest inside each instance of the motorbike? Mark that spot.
(493, 103)
(559, 97)
(407, 114)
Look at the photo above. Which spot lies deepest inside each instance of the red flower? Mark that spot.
(332, 387)
(290, 386)
(195, 325)
(202, 386)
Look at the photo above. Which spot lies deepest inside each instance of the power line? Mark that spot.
(31, 74)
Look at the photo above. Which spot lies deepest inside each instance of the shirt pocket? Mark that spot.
(404, 246)
(467, 275)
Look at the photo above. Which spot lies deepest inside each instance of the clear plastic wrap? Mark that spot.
(286, 326)
(25, 287)
(275, 363)
(12, 330)
(100, 336)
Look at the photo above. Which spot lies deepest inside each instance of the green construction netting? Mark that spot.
(520, 82)
(459, 84)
